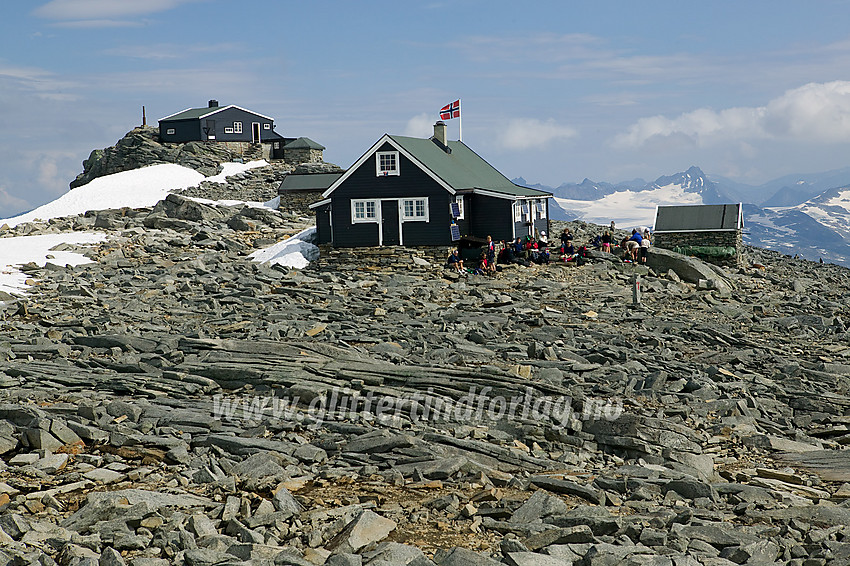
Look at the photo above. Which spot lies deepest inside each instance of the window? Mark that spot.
(541, 209)
(517, 212)
(413, 209)
(386, 163)
(267, 126)
(228, 130)
(237, 127)
(277, 145)
(459, 201)
(169, 131)
(364, 211)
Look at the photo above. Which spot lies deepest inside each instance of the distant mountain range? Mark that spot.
(806, 215)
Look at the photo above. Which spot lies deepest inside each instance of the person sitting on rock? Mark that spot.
(483, 265)
(454, 261)
(566, 240)
(542, 253)
(519, 249)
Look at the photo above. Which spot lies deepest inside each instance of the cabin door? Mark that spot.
(255, 132)
(390, 228)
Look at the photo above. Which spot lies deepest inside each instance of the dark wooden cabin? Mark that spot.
(425, 192)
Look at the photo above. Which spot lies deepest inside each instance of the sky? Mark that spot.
(552, 91)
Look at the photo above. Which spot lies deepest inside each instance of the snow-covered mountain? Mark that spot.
(632, 203)
(814, 227)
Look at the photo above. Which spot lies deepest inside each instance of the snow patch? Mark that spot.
(135, 189)
(297, 251)
(233, 168)
(19, 250)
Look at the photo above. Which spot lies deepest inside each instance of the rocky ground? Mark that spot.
(176, 403)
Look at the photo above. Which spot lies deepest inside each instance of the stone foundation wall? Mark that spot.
(726, 239)
(299, 201)
(394, 257)
(246, 150)
(304, 155)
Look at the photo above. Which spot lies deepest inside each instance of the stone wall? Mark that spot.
(394, 257)
(724, 239)
(299, 201)
(303, 155)
(246, 150)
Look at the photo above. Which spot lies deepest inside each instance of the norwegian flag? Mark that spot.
(450, 111)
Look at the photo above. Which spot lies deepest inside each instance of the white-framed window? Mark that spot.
(526, 211)
(386, 163)
(277, 145)
(413, 209)
(517, 211)
(460, 203)
(267, 126)
(540, 207)
(237, 127)
(228, 130)
(364, 211)
(169, 131)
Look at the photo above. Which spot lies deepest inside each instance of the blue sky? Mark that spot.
(554, 91)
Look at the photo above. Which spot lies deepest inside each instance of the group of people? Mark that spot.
(637, 246)
(529, 250)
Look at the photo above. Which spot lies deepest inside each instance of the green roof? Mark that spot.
(462, 168)
(191, 113)
(309, 182)
(303, 143)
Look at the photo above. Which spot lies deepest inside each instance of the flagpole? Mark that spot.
(459, 122)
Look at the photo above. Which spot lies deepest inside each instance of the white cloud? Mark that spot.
(97, 24)
(11, 202)
(164, 51)
(816, 112)
(103, 10)
(420, 126)
(527, 133)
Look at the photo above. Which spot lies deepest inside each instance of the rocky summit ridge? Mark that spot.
(175, 402)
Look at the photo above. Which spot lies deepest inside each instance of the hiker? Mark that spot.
(644, 245)
(606, 242)
(633, 244)
(455, 262)
(566, 240)
(519, 248)
(491, 253)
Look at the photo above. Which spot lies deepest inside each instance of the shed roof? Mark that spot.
(303, 143)
(309, 182)
(700, 217)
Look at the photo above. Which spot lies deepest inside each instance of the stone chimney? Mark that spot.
(440, 133)
(213, 104)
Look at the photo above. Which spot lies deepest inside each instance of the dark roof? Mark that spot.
(303, 143)
(196, 113)
(700, 217)
(271, 135)
(462, 168)
(310, 182)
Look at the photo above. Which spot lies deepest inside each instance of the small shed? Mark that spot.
(298, 190)
(713, 232)
(303, 150)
